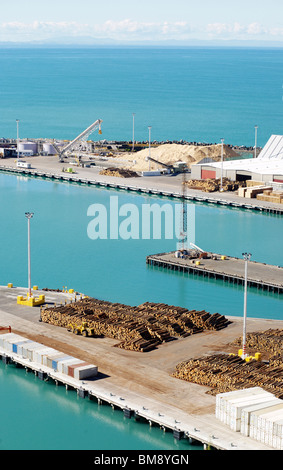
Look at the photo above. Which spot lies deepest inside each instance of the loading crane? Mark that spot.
(83, 136)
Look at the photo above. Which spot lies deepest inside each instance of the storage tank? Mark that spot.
(32, 146)
(48, 149)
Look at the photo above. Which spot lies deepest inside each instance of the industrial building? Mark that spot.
(267, 167)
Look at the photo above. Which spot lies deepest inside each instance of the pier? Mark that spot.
(149, 186)
(137, 407)
(179, 407)
(227, 268)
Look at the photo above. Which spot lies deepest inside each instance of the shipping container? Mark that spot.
(39, 353)
(71, 367)
(65, 364)
(7, 342)
(85, 372)
(50, 353)
(65, 360)
(246, 413)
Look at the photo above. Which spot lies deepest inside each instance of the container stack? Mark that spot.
(46, 356)
(253, 412)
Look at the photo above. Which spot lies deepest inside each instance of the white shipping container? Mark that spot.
(39, 353)
(246, 413)
(223, 398)
(22, 346)
(31, 349)
(65, 362)
(45, 356)
(8, 342)
(71, 362)
(85, 372)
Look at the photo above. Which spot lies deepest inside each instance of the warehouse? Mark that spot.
(267, 167)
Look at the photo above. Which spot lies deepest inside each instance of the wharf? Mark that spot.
(231, 270)
(176, 406)
(158, 186)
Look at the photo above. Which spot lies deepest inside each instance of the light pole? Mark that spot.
(29, 215)
(221, 186)
(149, 132)
(17, 121)
(133, 131)
(256, 127)
(247, 257)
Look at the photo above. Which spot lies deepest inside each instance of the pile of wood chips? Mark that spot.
(225, 372)
(118, 172)
(140, 328)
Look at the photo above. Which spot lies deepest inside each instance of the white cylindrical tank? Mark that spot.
(48, 149)
(28, 146)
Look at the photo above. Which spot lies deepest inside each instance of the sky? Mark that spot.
(148, 21)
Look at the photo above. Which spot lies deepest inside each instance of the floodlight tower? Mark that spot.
(247, 257)
(29, 216)
(17, 121)
(221, 186)
(149, 134)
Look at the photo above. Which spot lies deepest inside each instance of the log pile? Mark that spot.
(139, 328)
(227, 372)
(211, 185)
(119, 172)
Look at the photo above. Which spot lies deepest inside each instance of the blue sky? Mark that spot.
(146, 20)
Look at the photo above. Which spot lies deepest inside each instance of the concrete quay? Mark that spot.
(177, 406)
(165, 185)
(231, 269)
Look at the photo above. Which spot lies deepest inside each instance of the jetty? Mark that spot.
(146, 185)
(227, 268)
(179, 407)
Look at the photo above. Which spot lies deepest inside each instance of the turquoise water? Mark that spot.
(43, 416)
(116, 270)
(193, 94)
(39, 415)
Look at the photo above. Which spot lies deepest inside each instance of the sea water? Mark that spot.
(40, 416)
(194, 94)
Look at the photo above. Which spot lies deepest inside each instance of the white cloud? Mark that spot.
(131, 30)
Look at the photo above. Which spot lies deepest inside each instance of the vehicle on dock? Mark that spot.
(82, 329)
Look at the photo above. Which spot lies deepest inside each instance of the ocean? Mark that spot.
(191, 94)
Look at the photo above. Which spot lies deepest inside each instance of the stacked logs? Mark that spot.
(139, 328)
(119, 172)
(227, 372)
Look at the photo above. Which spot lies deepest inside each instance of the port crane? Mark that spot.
(83, 136)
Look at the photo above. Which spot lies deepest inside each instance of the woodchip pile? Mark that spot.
(119, 172)
(140, 328)
(224, 372)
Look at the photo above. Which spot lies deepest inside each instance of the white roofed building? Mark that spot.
(267, 167)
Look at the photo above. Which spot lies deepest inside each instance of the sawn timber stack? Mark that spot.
(141, 328)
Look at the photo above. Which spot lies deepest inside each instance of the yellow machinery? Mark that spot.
(82, 329)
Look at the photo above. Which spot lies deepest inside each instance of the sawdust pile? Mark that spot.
(173, 153)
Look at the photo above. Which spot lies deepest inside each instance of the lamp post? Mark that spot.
(247, 257)
(221, 186)
(133, 131)
(17, 121)
(149, 132)
(29, 216)
(256, 127)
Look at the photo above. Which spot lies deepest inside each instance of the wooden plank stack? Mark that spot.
(139, 328)
(225, 372)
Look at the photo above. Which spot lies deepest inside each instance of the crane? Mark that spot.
(82, 136)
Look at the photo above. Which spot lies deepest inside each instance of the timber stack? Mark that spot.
(228, 372)
(140, 328)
